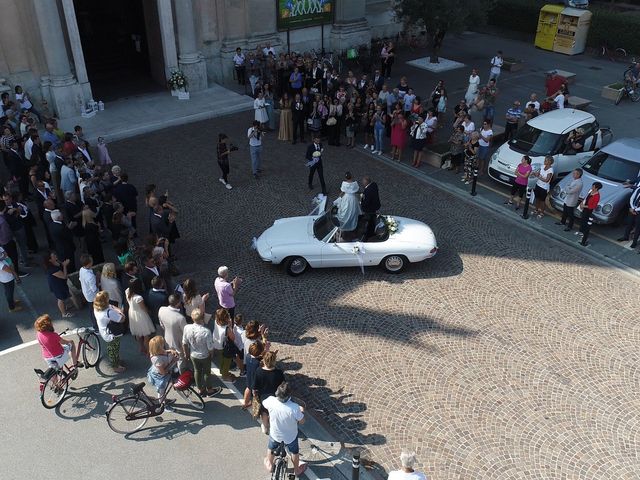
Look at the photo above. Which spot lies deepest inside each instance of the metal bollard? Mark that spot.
(527, 201)
(474, 182)
(586, 231)
(355, 467)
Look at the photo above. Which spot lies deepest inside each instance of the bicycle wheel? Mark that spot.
(133, 407)
(620, 95)
(54, 390)
(279, 469)
(91, 350)
(635, 96)
(192, 397)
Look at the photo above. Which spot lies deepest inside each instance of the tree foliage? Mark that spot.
(443, 15)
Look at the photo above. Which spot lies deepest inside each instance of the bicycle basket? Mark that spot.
(184, 381)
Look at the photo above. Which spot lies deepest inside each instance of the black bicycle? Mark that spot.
(129, 412)
(630, 86)
(281, 464)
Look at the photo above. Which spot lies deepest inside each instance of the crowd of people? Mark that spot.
(63, 190)
(301, 96)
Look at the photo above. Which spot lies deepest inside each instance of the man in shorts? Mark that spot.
(284, 417)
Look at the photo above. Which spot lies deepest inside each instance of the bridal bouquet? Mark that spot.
(316, 154)
(391, 223)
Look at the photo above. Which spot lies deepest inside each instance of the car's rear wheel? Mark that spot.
(296, 266)
(394, 263)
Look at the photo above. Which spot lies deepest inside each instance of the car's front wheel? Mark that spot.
(394, 263)
(296, 266)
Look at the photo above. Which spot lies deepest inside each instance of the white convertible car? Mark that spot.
(314, 240)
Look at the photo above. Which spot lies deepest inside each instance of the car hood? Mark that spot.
(611, 192)
(286, 231)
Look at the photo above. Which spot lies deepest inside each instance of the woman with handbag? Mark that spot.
(112, 326)
(224, 343)
(255, 344)
(268, 379)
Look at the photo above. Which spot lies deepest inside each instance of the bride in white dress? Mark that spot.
(472, 89)
(348, 204)
(260, 108)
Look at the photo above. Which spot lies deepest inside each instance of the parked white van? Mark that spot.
(545, 135)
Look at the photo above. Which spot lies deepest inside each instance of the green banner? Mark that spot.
(304, 13)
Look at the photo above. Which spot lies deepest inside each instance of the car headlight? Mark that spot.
(607, 208)
(494, 157)
(556, 191)
(598, 208)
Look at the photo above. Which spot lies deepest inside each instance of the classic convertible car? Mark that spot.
(315, 241)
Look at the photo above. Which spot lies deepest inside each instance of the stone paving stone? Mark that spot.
(507, 356)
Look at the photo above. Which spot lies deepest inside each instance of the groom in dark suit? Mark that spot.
(370, 204)
(315, 163)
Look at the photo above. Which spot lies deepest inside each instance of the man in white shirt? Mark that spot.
(408, 461)
(496, 66)
(88, 283)
(197, 344)
(559, 99)
(254, 134)
(268, 50)
(173, 322)
(238, 64)
(534, 103)
(284, 417)
(28, 146)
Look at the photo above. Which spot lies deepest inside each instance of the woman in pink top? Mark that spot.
(55, 349)
(522, 179)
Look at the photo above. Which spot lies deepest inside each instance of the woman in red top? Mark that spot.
(588, 205)
(398, 135)
(55, 349)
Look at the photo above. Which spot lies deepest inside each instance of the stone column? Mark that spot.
(76, 48)
(350, 27)
(165, 16)
(66, 94)
(191, 61)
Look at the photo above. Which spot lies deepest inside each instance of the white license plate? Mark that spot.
(505, 178)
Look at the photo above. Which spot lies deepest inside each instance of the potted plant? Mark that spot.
(510, 64)
(178, 84)
(612, 92)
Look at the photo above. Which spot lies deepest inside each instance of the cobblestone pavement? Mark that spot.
(507, 356)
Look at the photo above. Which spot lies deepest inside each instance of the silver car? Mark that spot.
(613, 166)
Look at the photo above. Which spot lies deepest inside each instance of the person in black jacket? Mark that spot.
(63, 240)
(157, 297)
(370, 204)
(298, 112)
(127, 195)
(314, 162)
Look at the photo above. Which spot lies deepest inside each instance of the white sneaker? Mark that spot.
(379, 152)
(373, 147)
(366, 146)
(229, 187)
(374, 152)
(221, 180)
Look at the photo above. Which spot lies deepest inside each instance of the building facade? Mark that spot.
(67, 52)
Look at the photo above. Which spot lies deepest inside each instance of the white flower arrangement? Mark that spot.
(391, 223)
(316, 154)
(177, 80)
(355, 250)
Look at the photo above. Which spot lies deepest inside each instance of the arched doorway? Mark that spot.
(119, 39)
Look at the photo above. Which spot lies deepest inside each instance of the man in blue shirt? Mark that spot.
(68, 177)
(50, 136)
(513, 117)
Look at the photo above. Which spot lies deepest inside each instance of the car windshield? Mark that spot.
(612, 168)
(323, 225)
(535, 142)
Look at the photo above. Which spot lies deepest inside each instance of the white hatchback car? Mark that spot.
(314, 241)
(545, 135)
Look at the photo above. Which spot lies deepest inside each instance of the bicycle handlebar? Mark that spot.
(77, 331)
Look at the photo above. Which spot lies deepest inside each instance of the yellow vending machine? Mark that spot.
(572, 31)
(548, 26)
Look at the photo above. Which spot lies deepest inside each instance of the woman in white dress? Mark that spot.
(140, 324)
(348, 206)
(472, 89)
(261, 109)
